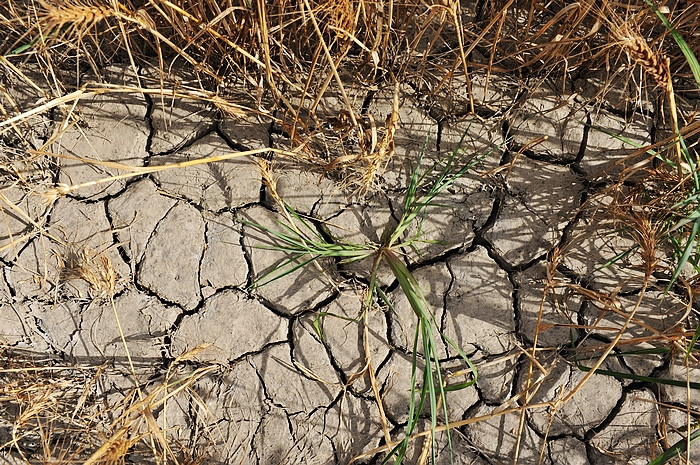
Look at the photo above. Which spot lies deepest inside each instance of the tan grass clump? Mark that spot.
(60, 414)
(287, 58)
(92, 266)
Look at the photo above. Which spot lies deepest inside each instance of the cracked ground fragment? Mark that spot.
(674, 428)
(496, 378)
(83, 235)
(18, 327)
(223, 416)
(546, 113)
(275, 442)
(52, 327)
(495, 436)
(19, 93)
(607, 155)
(16, 228)
(170, 265)
(343, 328)
(115, 130)
(449, 223)
(13, 329)
(630, 435)
(144, 322)
(613, 91)
(333, 435)
(233, 324)
(223, 264)
(479, 307)
(310, 353)
(493, 95)
(466, 204)
(541, 200)
(351, 426)
(176, 122)
(579, 415)
(560, 309)
(656, 314)
(133, 224)
(593, 243)
(293, 393)
(88, 333)
(300, 189)
(680, 395)
(567, 451)
(212, 186)
(249, 133)
(394, 379)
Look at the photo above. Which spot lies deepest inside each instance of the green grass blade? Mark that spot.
(426, 322)
(617, 257)
(408, 284)
(284, 270)
(467, 360)
(676, 450)
(692, 199)
(291, 239)
(399, 451)
(686, 252)
(694, 216)
(646, 379)
(428, 352)
(318, 323)
(689, 159)
(634, 144)
(691, 346)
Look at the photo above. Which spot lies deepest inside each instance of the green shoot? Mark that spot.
(676, 450)
(304, 244)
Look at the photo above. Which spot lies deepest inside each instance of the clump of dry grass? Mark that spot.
(290, 56)
(92, 266)
(54, 413)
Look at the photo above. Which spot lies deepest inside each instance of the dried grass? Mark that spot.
(289, 56)
(62, 414)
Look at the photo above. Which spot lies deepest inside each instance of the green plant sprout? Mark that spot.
(299, 238)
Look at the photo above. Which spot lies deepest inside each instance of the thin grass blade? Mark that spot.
(676, 450)
(692, 239)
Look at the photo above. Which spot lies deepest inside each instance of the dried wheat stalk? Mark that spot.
(652, 62)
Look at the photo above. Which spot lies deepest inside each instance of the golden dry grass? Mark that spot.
(289, 56)
(72, 414)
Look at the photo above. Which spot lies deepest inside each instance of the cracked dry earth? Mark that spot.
(279, 394)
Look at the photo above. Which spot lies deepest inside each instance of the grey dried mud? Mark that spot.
(291, 382)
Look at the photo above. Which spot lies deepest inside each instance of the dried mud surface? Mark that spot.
(280, 394)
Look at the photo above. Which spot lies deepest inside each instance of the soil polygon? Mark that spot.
(110, 130)
(212, 186)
